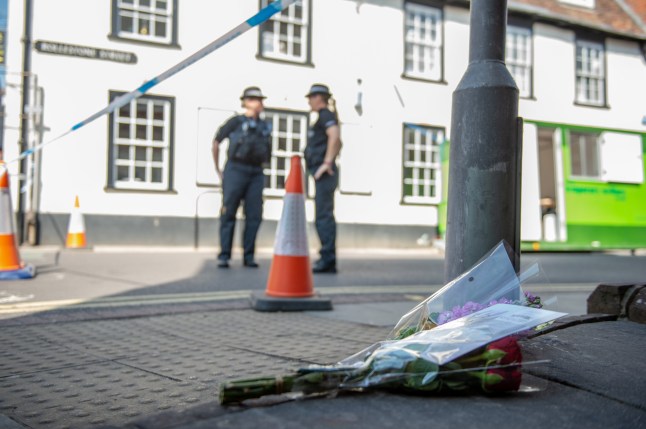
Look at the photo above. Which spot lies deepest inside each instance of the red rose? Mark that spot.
(502, 379)
(510, 347)
(505, 378)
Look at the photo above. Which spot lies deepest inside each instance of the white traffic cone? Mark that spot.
(76, 228)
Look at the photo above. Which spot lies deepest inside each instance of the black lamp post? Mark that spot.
(485, 158)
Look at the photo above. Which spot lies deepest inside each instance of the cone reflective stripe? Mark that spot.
(11, 268)
(76, 228)
(291, 274)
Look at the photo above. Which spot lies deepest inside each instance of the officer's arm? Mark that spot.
(333, 143)
(333, 148)
(222, 134)
(216, 158)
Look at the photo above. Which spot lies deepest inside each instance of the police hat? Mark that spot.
(319, 88)
(252, 92)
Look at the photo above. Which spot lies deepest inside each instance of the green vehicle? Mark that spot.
(583, 188)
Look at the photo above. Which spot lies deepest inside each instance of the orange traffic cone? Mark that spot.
(289, 286)
(76, 228)
(11, 268)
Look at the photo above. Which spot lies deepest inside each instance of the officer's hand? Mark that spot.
(219, 173)
(324, 168)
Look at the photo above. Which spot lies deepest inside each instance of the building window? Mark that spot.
(141, 144)
(145, 20)
(421, 164)
(590, 73)
(423, 42)
(518, 56)
(584, 155)
(289, 136)
(286, 35)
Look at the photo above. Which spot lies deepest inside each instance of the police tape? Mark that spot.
(263, 15)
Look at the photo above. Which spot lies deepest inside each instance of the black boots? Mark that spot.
(322, 266)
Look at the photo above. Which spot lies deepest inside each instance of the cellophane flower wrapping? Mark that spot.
(463, 338)
(492, 280)
(457, 355)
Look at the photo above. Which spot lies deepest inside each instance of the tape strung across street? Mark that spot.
(263, 15)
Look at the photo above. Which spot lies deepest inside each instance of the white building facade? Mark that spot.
(144, 174)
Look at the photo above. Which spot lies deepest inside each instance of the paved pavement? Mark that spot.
(136, 363)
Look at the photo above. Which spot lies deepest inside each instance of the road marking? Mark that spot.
(417, 292)
(29, 307)
(6, 297)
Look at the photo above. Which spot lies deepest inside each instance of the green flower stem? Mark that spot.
(419, 375)
(238, 391)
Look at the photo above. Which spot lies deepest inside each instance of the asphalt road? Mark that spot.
(68, 277)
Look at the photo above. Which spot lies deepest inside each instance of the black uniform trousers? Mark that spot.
(241, 182)
(324, 214)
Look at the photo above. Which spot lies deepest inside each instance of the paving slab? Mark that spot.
(605, 358)
(86, 373)
(26, 351)
(99, 393)
(595, 379)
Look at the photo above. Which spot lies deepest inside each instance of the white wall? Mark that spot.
(350, 41)
(626, 67)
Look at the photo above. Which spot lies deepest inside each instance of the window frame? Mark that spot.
(438, 13)
(170, 39)
(439, 136)
(526, 30)
(603, 78)
(306, 46)
(168, 147)
(583, 160)
(271, 169)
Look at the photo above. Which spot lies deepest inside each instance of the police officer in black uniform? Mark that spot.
(323, 146)
(243, 179)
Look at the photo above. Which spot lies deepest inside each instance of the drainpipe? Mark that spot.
(24, 119)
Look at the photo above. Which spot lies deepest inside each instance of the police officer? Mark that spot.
(323, 146)
(243, 178)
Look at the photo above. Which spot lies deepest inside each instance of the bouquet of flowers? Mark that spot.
(495, 368)
(461, 339)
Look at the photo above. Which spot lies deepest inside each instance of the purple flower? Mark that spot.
(471, 307)
(500, 301)
(533, 300)
(457, 312)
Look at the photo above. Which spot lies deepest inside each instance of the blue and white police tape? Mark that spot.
(263, 15)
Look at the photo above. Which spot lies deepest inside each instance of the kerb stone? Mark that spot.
(636, 311)
(608, 298)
